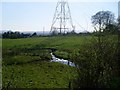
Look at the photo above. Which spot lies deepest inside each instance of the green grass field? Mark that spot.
(62, 42)
(25, 65)
(26, 61)
(21, 43)
(38, 75)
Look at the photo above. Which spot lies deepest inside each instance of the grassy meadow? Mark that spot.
(26, 61)
(27, 65)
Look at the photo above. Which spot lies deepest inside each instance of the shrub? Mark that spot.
(97, 64)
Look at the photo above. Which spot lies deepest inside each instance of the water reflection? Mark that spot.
(67, 62)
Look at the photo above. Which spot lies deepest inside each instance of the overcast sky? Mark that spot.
(33, 15)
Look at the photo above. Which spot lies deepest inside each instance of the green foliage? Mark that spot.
(97, 64)
(15, 35)
(111, 29)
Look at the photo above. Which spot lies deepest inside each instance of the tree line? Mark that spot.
(15, 35)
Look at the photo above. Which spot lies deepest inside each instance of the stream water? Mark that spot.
(63, 61)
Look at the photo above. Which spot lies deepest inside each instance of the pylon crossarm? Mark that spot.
(62, 21)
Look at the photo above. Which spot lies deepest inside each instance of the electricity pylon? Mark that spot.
(62, 21)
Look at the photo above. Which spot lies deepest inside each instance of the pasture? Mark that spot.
(26, 61)
(26, 65)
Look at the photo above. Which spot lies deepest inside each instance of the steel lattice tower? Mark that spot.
(62, 21)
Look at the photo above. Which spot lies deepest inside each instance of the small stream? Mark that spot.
(63, 61)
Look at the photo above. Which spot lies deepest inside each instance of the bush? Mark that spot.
(97, 64)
